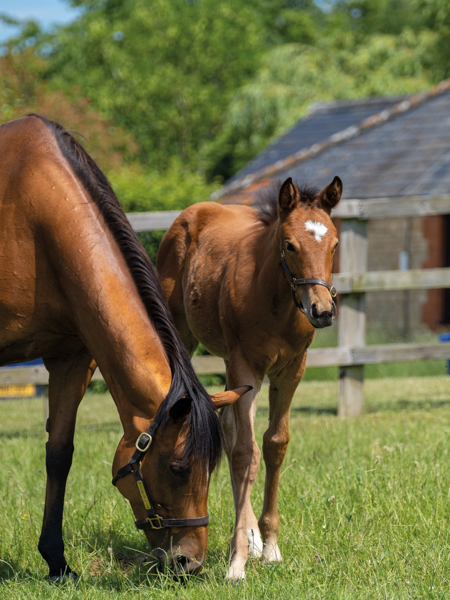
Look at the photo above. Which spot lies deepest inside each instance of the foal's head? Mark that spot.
(308, 242)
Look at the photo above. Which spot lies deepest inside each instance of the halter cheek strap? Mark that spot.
(295, 283)
(153, 520)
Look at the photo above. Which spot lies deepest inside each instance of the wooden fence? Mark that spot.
(352, 283)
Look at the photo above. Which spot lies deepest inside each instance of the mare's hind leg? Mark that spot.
(243, 458)
(69, 378)
(275, 442)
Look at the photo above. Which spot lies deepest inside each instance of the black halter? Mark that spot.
(153, 520)
(296, 282)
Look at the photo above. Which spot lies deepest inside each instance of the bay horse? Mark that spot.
(252, 285)
(77, 288)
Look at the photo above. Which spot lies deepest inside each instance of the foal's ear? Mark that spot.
(330, 196)
(288, 196)
(230, 396)
(181, 408)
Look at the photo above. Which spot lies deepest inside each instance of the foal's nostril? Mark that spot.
(324, 316)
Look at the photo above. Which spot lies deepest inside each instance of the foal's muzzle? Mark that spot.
(324, 318)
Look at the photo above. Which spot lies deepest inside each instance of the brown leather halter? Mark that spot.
(297, 282)
(153, 520)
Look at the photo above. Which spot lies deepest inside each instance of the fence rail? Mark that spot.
(352, 354)
(317, 357)
(382, 281)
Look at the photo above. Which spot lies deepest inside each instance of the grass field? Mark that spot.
(364, 504)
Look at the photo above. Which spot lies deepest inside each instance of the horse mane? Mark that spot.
(266, 203)
(205, 441)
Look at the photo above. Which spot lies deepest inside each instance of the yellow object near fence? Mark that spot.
(18, 391)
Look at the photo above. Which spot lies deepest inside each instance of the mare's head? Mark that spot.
(176, 470)
(308, 241)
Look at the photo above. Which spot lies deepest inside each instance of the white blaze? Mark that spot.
(318, 229)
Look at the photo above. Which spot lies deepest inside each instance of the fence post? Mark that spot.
(352, 316)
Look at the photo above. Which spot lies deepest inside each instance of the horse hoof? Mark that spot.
(271, 555)
(235, 576)
(62, 579)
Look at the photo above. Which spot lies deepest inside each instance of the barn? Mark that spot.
(381, 148)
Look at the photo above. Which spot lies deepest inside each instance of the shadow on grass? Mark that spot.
(307, 410)
(13, 570)
(408, 405)
(132, 566)
(395, 406)
(315, 410)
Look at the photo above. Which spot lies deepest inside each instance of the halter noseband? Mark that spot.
(153, 520)
(296, 282)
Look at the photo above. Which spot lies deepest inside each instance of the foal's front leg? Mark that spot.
(67, 384)
(243, 457)
(275, 442)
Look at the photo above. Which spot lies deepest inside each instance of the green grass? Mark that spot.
(364, 503)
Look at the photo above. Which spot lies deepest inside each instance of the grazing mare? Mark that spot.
(76, 285)
(252, 286)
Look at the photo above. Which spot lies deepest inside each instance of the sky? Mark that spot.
(46, 12)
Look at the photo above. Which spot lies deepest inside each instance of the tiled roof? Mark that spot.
(380, 147)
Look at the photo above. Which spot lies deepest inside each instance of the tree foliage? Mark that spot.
(23, 91)
(167, 92)
(294, 76)
(164, 71)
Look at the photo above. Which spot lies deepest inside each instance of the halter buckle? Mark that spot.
(158, 520)
(146, 444)
(333, 292)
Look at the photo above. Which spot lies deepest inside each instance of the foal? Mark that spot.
(229, 274)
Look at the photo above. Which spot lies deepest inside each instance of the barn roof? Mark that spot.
(379, 147)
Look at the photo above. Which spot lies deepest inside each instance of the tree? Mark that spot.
(164, 71)
(294, 76)
(23, 91)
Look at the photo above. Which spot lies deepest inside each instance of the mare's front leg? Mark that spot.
(275, 442)
(68, 381)
(243, 458)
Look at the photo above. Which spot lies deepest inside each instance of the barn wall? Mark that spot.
(396, 315)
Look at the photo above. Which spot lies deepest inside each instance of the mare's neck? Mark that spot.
(130, 354)
(111, 318)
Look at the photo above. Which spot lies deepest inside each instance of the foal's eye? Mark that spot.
(334, 249)
(289, 247)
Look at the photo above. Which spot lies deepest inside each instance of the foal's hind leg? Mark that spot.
(243, 458)
(69, 378)
(275, 442)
